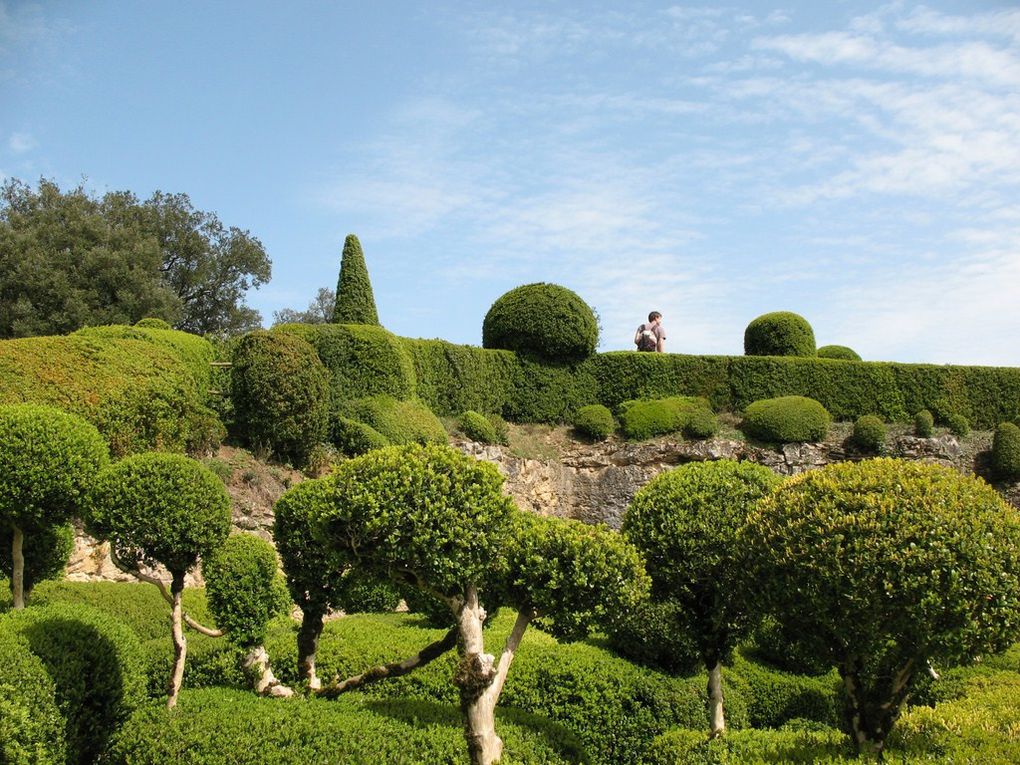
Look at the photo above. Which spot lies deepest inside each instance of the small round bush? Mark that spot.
(924, 424)
(544, 319)
(645, 418)
(47, 550)
(500, 428)
(649, 635)
(243, 588)
(477, 428)
(595, 421)
(1006, 451)
(840, 352)
(958, 425)
(787, 419)
(353, 438)
(280, 391)
(31, 726)
(700, 423)
(869, 434)
(400, 422)
(781, 333)
(152, 323)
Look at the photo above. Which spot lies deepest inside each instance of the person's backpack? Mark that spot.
(646, 339)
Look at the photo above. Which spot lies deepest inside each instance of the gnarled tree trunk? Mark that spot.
(180, 642)
(18, 572)
(308, 646)
(871, 719)
(717, 718)
(257, 663)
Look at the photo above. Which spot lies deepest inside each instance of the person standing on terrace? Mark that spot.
(651, 336)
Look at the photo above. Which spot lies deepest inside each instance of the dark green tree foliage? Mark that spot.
(787, 419)
(242, 587)
(924, 423)
(45, 558)
(840, 352)
(595, 421)
(648, 634)
(48, 459)
(1006, 451)
(280, 392)
(355, 303)
(319, 311)
(477, 427)
(883, 565)
(400, 422)
(544, 319)
(352, 438)
(869, 434)
(780, 333)
(686, 522)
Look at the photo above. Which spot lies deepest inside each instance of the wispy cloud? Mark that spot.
(21, 143)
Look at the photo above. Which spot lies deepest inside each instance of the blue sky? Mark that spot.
(857, 163)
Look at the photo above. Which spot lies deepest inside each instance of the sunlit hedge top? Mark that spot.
(858, 552)
(544, 319)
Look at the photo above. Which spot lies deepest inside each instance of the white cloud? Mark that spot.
(21, 143)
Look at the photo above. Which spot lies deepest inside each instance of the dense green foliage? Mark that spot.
(648, 635)
(753, 747)
(477, 427)
(243, 588)
(620, 376)
(548, 391)
(838, 352)
(399, 422)
(882, 565)
(319, 310)
(595, 421)
(352, 438)
(453, 378)
(644, 418)
(1006, 451)
(163, 508)
(924, 424)
(869, 434)
(280, 392)
(31, 726)
(958, 424)
(150, 322)
(787, 419)
(355, 303)
(47, 550)
(96, 666)
(220, 727)
(780, 333)
(544, 319)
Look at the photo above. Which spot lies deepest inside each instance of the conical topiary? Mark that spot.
(355, 303)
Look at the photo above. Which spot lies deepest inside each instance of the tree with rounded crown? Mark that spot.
(48, 459)
(167, 509)
(45, 557)
(432, 517)
(355, 303)
(882, 567)
(685, 522)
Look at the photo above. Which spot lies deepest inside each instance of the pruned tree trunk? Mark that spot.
(180, 643)
(308, 646)
(870, 721)
(716, 714)
(18, 569)
(257, 664)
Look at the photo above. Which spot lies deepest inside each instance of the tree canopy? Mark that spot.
(70, 259)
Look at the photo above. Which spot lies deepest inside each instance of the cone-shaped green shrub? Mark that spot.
(355, 303)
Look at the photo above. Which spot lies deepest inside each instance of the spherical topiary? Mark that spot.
(353, 438)
(477, 428)
(958, 425)
(280, 391)
(1006, 451)
(400, 422)
(46, 554)
(243, 588)
(544, 319)
(787, 419)
(595, 421)
(840, 352)
(780, 333)
(31, 725)
(700, 422)
(152, 323)
(648, 635)
(355, 303)
(924, 423)
(869, 433)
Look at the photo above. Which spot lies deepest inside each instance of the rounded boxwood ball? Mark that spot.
(869, 433)
(595, 421)
(787, 419)
(780, 333)
(1006, 451)
(544, 319)
(924, 423)
(840, 352)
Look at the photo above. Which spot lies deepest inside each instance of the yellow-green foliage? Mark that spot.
(137, 393)
(400, 422)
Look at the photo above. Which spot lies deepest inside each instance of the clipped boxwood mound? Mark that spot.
(400, 422)
(780, 333)
(224, 727)
(645, 418)
(838, 352)
(352, 438)
(595, 421)
(96, 665)
(362, 359)
(924, 423)
(477, 427)
(31, 725)
(1006, 451)
(753, 747)
(543, 319)
(787, 419)
(869, 434)
(138, 394)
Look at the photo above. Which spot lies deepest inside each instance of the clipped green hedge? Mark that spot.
(838, 352)
(453, 378)
(400, 422)
(542, 319)
(224, 727)
(624, 375)
(138, 394)
(31, 725)
(786, 419)
(780, 333)
(752, 747)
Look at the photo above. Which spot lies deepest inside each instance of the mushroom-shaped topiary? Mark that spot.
(161, 508)
(840, 352)
(543, 319)
(780, 333)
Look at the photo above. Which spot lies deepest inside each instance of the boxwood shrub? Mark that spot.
(924, 424)
(542, 319)
(1006, 451)
(31, 725)
(869, 434)
(689, 747)
(400, 422)
(477, 427)
(780, 333)
(838, 352)
(645, 418)
(787, 419)
(595, 421)
(958, 425)
(453, 378)
(352, 438)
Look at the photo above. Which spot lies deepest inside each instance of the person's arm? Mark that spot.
(662, 345)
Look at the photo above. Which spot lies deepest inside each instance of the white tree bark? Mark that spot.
(180, 642)
(18, 572)
(266, 684)
(717, 718)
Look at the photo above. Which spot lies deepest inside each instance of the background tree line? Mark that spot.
(70, 259)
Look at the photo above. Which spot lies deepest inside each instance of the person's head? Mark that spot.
(654, 316)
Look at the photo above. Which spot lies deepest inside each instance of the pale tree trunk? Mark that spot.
(180, 643)
(257, 664)
(717, 718)
(18, 572)
(871, 723)
(481, 680)
(308, 646)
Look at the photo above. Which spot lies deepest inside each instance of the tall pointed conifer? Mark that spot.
(355, 303)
